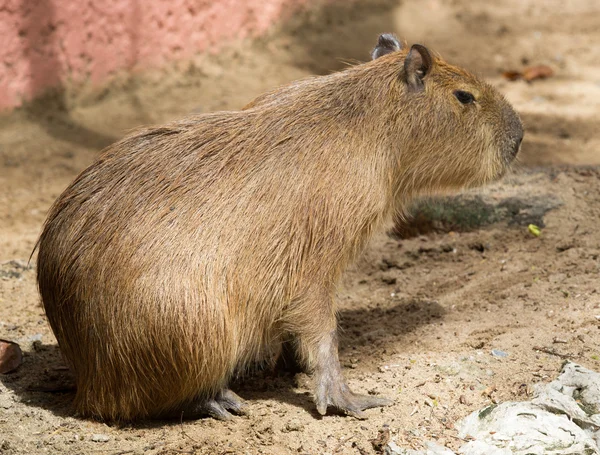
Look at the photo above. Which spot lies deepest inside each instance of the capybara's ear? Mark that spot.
(385, 44)
(417, 65)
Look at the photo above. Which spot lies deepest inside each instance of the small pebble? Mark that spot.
(499, 353)
(11, 356)
(294, 425)
(100, 438)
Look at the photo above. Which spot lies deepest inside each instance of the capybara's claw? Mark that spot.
(343, 399)
(214, 409)
(222, 406)
(232, 402)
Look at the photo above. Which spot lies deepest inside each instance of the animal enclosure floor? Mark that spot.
(420, 316)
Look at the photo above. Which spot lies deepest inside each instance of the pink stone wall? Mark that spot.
(46, 43)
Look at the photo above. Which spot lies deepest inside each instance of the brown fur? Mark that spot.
(188, 251)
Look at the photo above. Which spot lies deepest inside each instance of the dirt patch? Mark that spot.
(420, 316)
(473, 210)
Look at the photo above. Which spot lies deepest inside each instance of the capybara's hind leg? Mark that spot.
(318, 347)
(221, 407)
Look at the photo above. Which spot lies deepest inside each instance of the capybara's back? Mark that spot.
(191, 250)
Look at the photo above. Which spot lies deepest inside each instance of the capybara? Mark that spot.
(187, 252)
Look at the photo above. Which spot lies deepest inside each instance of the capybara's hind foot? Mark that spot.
(221, 406)
(339, 396)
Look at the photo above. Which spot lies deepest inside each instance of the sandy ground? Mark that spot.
(421, 315)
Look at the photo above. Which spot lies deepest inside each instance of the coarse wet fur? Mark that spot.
(190, 251)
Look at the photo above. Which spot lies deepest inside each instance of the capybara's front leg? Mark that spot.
(318, 348)
(330, 386)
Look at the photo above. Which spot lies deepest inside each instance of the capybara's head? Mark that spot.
(460, 131)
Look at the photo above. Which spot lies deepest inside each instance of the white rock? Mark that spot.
(480, 447)
(556, 402)
(100, 438)
(575, 379)
(523, 429)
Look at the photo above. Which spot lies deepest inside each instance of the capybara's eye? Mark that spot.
(464, 97)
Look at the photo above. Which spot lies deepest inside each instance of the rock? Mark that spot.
(100, 438)
(479, 448)
(293, 425)
(558, 403)
(11, 356)
(580, 384)
(394, 449)
(499, 353)
(523, 429)
(576, 393)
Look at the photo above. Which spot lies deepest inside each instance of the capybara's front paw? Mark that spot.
(339, 396)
